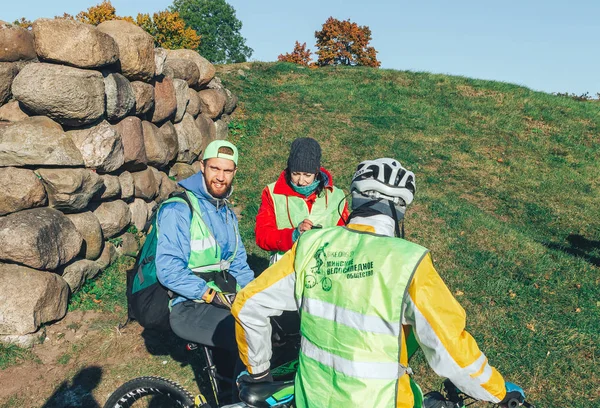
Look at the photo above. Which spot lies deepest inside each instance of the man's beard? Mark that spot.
(214, 193)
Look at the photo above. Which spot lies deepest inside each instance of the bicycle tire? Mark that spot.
(127, 394)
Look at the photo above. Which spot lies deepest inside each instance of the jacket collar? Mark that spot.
(282, 187)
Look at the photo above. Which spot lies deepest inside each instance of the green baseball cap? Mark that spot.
(212, 151)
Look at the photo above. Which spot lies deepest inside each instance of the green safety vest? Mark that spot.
(205, 252)
(350, 286)
(291, 210)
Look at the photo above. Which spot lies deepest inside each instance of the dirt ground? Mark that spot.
(85, 357)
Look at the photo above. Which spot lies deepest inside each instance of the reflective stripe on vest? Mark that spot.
(205, 252)
(351, 286)
(291, 210)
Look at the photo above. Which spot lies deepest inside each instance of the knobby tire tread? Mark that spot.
(131, 391)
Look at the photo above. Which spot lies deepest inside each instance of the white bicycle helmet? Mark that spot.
(384, 178)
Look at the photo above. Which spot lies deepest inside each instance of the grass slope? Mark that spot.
(507, 198)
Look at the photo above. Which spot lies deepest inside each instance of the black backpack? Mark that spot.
(147, 299)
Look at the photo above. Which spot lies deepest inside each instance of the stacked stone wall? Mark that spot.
(96, 127)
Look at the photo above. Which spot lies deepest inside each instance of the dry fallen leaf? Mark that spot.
(500, 160)
(512, 294)
(535, 285)
(578, 310)
(459, 293)
(530, 326)
(97, 300)
(578, 285)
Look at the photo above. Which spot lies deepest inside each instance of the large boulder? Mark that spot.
(157, 150)
(136, 48)
(70, 190)
(183, 97)
(181, 171)
(114, 217)
(8, 72)
(146, 185)
(16, 43)
(108, 255)
(205, 68)
(21, 189)
(208, 129)
(222, 127)
(120, 98)
(12, 112)
(71, 96)
(170, 138)
(183, 69)
(189, 138)
(73, 43)
(128, 245)
(132, 137)
(100, 145)
(230, 99)
(139, 213)
(79, 271)
(212, 102)
(160, 56)
(42, 238)
(111, 188)
(167, 186)
(165, 100)
(37, 141)
(89, 227)
(144, 97)
(193, 107)
(127, 186)
(30, 298)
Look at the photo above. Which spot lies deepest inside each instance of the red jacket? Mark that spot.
(268, 237)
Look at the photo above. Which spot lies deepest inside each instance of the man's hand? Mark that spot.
(246, 378)
(219, 299)
(305, 226)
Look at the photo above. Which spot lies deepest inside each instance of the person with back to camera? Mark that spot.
(361, 290)
(303, 197)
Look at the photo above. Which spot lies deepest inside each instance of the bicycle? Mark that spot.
(451, 397)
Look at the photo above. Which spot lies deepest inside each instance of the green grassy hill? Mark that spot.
(507, 201)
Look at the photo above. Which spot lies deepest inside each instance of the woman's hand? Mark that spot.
(305, 226)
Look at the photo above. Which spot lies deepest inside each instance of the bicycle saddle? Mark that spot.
(267, 394)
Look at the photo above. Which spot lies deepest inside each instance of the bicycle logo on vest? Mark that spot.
(316, 272)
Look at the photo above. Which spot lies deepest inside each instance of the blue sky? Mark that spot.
(549, 45)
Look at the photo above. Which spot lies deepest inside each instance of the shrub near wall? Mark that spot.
(95, 127)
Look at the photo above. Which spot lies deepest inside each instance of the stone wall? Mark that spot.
(96, 126)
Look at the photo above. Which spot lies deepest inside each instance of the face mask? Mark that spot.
(306, 190)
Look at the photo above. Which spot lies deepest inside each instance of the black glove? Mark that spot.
(515, 396)
(223, 300)
(246, 378)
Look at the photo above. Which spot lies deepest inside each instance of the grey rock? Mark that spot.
(109, 254)
(30, 298)
(205, 68)
(41, 238)
(120, 98)
(12, 112)
(37, 141)
(144, 97)
(16, 43)
(71, 96)
(70, 190)
(127, 186)
(100, 145)
(73, 43)
(181, 171)
(111, 187)
(165, 100)
(189, 138)
(78, 272)
(132, 137)
(136, 48)
(139, 213)
(21, 189)
(183, 69)
(89, 227)
(160, 56)
(212, 102)
(114, 216)
(182, 96)
(128, 245)
(8, 72)
(146, 185)
(158, 151)
(193, 107)
(169, 135)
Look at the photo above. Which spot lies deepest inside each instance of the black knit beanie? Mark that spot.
(305, 155)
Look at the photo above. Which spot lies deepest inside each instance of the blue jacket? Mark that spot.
(173, 250)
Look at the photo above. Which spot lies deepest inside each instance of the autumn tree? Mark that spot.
(169, 30)
(345, 43)
(99, 14)
(217, 24)
(300, 55)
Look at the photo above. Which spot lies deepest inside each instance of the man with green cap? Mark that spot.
(200, 256)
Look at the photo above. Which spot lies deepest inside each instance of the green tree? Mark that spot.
(219, 28)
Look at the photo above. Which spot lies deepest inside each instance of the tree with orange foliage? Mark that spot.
(300, 55)
(99, 14)
(345, 43)
(169, 30)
